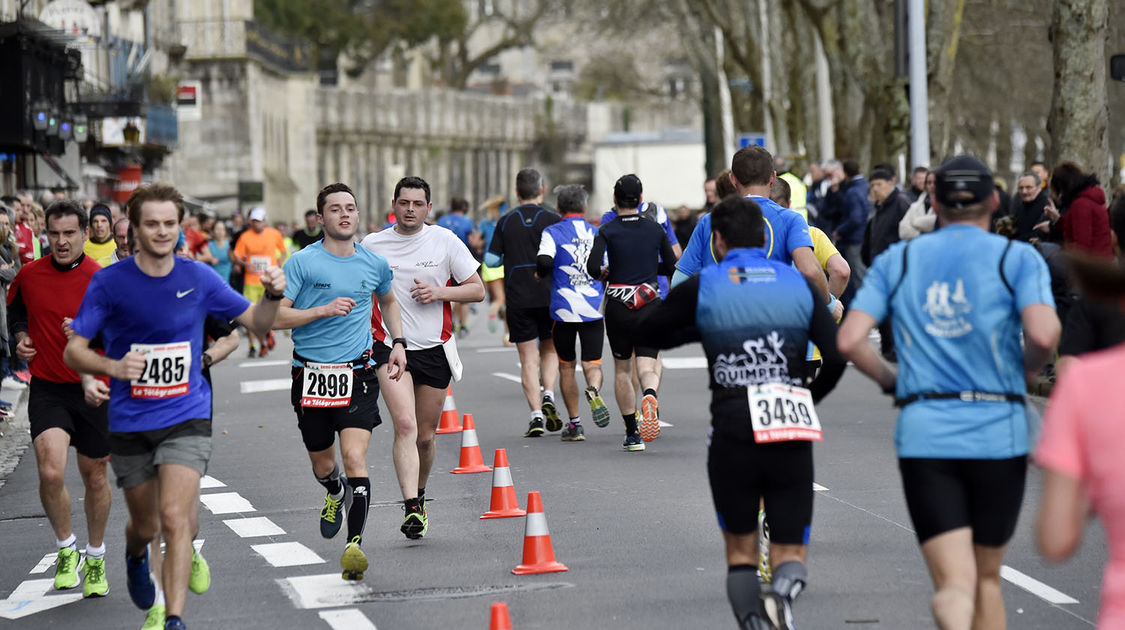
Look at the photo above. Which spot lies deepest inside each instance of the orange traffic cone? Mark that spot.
(471, 461)
(504, 503)
(450, 422)
(538, 555)
(500, 619)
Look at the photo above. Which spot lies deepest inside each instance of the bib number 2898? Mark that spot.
(782, 413)
(327, 385)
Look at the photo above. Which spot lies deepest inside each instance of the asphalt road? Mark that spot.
(637, 530)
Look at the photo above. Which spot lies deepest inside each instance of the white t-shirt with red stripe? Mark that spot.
(434, 256)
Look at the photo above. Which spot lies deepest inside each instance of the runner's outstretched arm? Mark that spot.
(471, 290)
(259, 318)
(289, 317)
(805, 261)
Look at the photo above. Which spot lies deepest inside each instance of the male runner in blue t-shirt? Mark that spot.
(149, 311)
(787, 233)
(957, 300)
(327, 303)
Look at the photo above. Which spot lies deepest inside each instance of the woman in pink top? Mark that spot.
(1081, 453)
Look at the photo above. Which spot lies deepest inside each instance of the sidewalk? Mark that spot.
(15, 433)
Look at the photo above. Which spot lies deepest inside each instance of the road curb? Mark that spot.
(15, 435)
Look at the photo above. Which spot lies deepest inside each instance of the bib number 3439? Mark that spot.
(782, 413)
(167, 370)
(327, 385)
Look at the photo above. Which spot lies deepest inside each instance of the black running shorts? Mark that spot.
(620, 323)
(947, 494)
(319, 426)
(781, 473)
(63, 405)
(529, 324)
(590, 334)
(427, 367)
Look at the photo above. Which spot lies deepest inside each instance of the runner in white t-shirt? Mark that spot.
(433, 268)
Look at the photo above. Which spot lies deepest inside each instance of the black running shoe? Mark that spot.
(554, 422)
(534, 428)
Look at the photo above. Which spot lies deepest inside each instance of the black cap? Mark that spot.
(627, 189)
(962, 181)
(102, 209)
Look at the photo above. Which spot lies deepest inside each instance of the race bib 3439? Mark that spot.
(782, 413)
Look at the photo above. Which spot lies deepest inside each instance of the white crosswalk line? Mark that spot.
(508, 377)
(323, 591)
(272, 363)
(818, 488)
(47, 562)
(287, 554)
(347, 619)
(684, 363)
(226, 503)
(266, 385)
(254, 527)
(207, 482)
(1035, 587)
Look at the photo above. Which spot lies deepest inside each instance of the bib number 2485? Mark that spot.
(167, 370)
(782, 413)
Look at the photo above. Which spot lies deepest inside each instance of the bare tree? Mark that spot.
(1079, 116)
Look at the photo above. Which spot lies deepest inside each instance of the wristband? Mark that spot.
(401, 340)
(207, 360)
(275, 298)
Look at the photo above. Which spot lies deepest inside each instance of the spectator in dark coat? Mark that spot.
(891, 205)
(1028, 206)
(850, 209)
(1083, 216)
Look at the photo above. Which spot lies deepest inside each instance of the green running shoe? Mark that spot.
(200, 579)
(597, 407)
(354, 562)
(154, 620)
(415, 524)
(96, 584)
(66, 568)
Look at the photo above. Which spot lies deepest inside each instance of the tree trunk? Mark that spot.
(1079, 116)
(943, 33)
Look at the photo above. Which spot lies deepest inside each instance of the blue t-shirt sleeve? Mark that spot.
(797, 233)
(293, 277)
(873, 293)
(691, 261)
(1027, 272)
(223, 301)
(93, 311)
(667, 225)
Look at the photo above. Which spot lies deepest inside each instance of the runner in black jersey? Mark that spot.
(515, 244)
(638, 251)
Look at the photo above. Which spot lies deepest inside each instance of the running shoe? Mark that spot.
(779, 610)
(174, 624)
(573, 433)
(554, 422)
(415, 524)
(650, 420)
(271, 342)
(139, 581)
(95, 584)
(11, 382)
(354, 562)
(66, 568)
(633, 442)
(534, 428)
(492, 322)
(764, 570)
(597, 407)
(253, 353)
(154, 620)
(200, 579)
(265, 352)
(332, 514)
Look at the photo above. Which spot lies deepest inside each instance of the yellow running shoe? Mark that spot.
(154, 620)
(96, 584)
(66, 568)
(200, 579)
(354, 562)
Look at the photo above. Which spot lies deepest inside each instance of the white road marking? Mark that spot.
(504, 349)
(323, 591)
(31, 597)
(198, 544)
(267, 385)
(684, 363)
(207, 482)
(288, 554)
(253, 527)
(818, 488)
(508, 377)
(226, 503)
(347, 619)
(47, 562)
(1035, 587)
(665, 424)
(271, 363)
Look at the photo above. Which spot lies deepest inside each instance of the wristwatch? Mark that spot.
(275, 298)
(207, 361)
(401, 340)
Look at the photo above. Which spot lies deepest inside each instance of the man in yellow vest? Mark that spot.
(798, 192)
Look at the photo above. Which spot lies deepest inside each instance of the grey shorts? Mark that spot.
(136, 456)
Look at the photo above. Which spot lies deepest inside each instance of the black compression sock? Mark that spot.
(650, 392)
(744, 593)
(413, 505)
(332, 483)
(357, 515)
(630, 422)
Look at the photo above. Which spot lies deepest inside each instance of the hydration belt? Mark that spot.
(969, 396)
(633, 296)
(362, 361)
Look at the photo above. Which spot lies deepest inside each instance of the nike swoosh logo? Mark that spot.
(180, 294)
